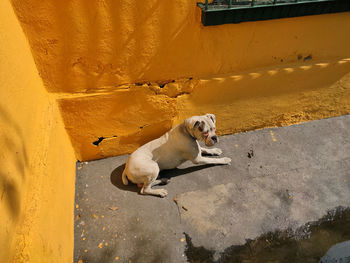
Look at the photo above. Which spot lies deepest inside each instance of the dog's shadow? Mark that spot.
(116, 175)
(116, 180)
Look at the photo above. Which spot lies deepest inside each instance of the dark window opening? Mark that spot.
(218, 12)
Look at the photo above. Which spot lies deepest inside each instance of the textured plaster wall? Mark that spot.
(126, 71)
(37, 163)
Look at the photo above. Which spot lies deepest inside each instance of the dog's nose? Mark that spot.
(215, 138)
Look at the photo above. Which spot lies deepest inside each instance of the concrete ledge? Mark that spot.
(125, 117)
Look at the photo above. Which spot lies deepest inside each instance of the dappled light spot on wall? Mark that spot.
(255, 75)
(306, 67)
(236, 77)
(272, 72)
(322, 65)
(289, 70)
(218, 79)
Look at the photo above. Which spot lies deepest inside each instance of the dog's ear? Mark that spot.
(211, 116)
(196, 124)
(191, 124)
(200, 125)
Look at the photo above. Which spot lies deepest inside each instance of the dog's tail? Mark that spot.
(124, 178)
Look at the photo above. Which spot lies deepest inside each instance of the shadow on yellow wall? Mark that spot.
(14, 146)
(12, 176)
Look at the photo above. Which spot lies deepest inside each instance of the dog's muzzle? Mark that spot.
(210, 141)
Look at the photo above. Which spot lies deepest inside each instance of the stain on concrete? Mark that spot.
(308, 244)
(250, 154)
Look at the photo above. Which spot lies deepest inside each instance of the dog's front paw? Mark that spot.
(227, 160)
(162, 192)
(216, 151)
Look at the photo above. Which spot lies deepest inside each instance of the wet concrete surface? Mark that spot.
(284, 198)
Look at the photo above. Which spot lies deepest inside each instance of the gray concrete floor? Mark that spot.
(280, 179)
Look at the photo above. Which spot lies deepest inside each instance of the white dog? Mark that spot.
(172, 149)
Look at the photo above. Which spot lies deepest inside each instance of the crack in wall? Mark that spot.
(100, 139)
(171, 88)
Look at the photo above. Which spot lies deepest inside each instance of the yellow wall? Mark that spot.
(37, 164)
(128, 71)
(108, 61)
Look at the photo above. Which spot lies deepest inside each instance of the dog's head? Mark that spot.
(202, 128)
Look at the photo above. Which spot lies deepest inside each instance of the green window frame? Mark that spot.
(221, 12)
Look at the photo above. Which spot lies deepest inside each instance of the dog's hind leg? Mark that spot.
(147, 173)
